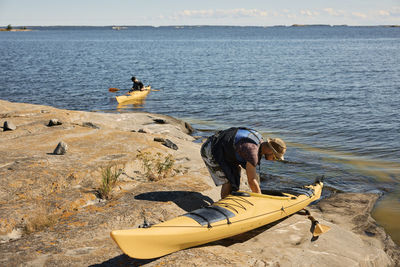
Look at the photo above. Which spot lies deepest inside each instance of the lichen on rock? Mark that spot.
(76, 225)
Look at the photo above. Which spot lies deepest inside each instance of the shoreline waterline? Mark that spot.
(385, 212)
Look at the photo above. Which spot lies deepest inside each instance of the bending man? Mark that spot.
(228, 150)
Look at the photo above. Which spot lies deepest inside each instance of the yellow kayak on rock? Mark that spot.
(135, 95)
(238, 213)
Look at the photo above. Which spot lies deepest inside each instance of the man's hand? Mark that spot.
(252, 178)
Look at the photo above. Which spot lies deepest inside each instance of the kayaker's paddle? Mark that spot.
(317, 228)
(116, 90)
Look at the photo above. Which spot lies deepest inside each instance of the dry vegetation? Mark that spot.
(156, 166)
(39, 220)
(109, 176)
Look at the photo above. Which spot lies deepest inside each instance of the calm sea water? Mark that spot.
(332, 93)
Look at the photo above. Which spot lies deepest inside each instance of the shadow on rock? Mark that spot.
(186, 200)
(241, 238)
(123, 260)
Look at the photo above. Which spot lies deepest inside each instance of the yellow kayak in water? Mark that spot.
(134, 95)
(238, 213)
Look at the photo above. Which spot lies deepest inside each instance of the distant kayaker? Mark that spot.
(137, 85)
(226, 150)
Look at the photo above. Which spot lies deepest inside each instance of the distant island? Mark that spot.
(119, 28)
(311, 25)
(15, 30)
(9, 28)
(344, 25)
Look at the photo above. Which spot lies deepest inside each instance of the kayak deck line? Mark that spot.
(210, 214)
(282, 209)
(232, 205)
(208, 222)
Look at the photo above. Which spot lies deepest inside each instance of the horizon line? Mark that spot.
(211, 25)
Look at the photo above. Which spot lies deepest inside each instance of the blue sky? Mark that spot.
(200, 12)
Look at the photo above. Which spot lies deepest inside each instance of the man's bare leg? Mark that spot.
(226, 190)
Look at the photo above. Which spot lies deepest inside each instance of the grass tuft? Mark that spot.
(109, 176)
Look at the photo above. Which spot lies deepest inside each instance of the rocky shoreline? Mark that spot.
(52, 214)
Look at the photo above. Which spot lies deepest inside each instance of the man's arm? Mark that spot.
(252, 178)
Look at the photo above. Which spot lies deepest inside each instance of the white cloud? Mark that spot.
(359, 15)
(196, 13)
(309, 13)
(383, 13)
(290, 16)
(241, 12)
(275, 14)
(395, 11)
(221, 13)
(334, 12)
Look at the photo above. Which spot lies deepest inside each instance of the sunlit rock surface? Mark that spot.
(51, 213)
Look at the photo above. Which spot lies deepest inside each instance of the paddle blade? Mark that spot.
(320, 229)
(113, 89)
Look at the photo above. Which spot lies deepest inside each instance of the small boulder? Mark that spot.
(168, 143)
(159, 139)
(144, 130)
(90, 125)
(189, 128)
(160, 121)
(61, 148)
(54, 122)
(9, 126)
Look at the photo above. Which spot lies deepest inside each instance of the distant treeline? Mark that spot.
(24, 28)
(10, 28)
